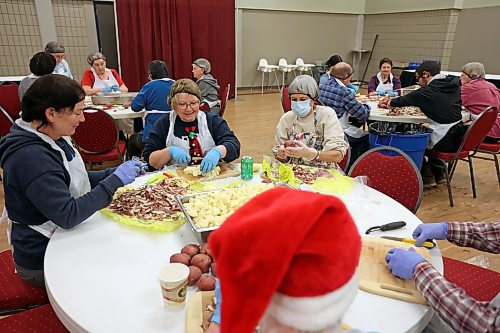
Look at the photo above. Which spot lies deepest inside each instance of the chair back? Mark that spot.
(286, 102)
(395, 175)
(9, 99)
(204, 107)
(262, 64)
(6, 122)
(223, 97)
(282, 63)
(347, 158)
(97, 134)
(299, 62)
(479, 128)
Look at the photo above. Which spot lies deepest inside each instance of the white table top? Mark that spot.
(103, 277)
(379, 114)
(487, 76)
(12, 78)
(118, 112)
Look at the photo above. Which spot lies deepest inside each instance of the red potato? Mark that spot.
(202, 261)
(206, 282)
(182, 258)
(194, 275)
(290, 143)
(205, 249)
(191, 250)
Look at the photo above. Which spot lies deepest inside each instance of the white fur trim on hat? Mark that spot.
(314, 313)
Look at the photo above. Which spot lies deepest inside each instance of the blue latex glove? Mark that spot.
(216, 315)
(115, 87)
(179, 155)
(106, 89)
(392, 94)
(128, 171)
(210, 160)
(380, 93)
(353, 88)
(402, 263)
(430, 231)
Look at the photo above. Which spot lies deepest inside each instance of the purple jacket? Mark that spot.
(372, 86)
(478, 95)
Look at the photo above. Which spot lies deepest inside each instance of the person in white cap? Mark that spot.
(280, 264)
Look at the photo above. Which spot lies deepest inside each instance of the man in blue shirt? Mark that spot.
(338, 93)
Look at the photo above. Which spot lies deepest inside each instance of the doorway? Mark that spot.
(104, 12)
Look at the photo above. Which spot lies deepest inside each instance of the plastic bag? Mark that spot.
(384, 128)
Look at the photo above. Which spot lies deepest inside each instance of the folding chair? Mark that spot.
(38, 320)
(472, 139)
(492, 149)
(395, 175)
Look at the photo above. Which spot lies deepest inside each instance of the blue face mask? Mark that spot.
(301, 108)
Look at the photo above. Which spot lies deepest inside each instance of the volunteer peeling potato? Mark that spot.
(310, 134)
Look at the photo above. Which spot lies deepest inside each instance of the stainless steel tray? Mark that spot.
(113, 98)
(203, 233)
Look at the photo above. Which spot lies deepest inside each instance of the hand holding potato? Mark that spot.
(384, 103)
(300, 150)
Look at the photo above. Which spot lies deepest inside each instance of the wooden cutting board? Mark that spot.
(226, 170)
(197, 315)
(376, 278)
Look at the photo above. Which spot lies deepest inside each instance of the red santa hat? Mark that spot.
(291, 253)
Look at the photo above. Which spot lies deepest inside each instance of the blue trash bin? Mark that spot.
(412, 144)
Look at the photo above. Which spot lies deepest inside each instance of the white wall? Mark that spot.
(320, 6)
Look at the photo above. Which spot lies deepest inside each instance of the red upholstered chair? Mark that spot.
(395, 175)
(347, 158)
(97, 138)
(492, 149)
(474, 136)
(223, 97)
(15, 294)
(286, 103)
(42, 319)
(480, 283)
(10, 106)
(204, 107)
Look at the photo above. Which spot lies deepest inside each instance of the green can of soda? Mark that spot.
(246, 168)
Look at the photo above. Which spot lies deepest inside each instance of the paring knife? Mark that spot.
(426, 244)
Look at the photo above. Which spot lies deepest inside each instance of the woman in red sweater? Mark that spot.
(98, 78)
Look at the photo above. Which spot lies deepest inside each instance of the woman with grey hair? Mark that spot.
(188, 136)
(208, 85)
(478, 94)
(58, 51)
(310, 134)
(98, 78)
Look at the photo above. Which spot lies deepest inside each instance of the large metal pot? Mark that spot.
(112, 98)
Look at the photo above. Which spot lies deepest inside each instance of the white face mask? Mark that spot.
(301, 108)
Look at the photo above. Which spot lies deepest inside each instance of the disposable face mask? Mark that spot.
(301, 108)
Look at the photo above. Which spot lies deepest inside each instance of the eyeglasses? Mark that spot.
(192, 105)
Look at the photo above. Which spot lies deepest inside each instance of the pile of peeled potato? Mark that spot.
(199, 261)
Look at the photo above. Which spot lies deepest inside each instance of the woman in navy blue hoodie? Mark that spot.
(45, 181)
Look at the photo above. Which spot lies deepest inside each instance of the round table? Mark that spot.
(103, 277)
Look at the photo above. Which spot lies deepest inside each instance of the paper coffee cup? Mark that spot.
(173, 282)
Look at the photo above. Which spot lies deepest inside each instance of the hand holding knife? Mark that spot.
(426, 244)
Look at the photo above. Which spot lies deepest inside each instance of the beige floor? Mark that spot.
(253, 118)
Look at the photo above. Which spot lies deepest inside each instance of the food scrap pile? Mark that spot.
(151, 202)
(411, 111)
(308, 175)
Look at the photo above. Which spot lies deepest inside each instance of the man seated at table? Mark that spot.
(152, 98)
(338, 93)
(314, 275)
(478, 94)
(453, 306)
(439, 100)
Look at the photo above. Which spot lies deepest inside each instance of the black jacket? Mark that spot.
(439, 100)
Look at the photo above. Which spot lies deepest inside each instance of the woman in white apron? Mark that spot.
(45, 181)
(316, 133)
(384, 82)
(98, 78)
(187, 135)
